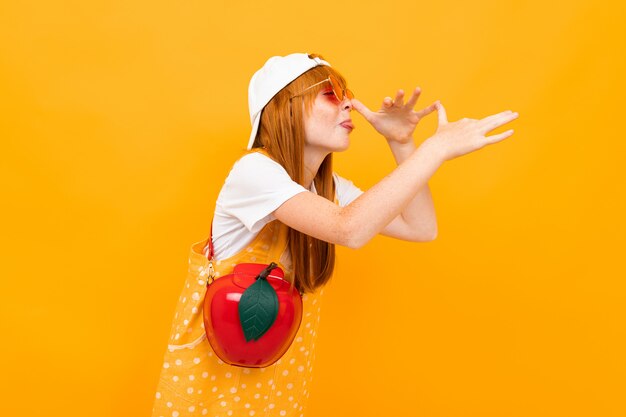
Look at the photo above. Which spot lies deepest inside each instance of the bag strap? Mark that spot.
(210, 252)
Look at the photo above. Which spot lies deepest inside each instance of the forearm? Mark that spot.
(367, 215)
(419, 214)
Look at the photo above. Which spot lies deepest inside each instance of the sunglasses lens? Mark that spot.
(338, 90)
(336, 87)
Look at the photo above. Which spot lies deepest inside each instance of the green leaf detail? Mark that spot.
(258, 309)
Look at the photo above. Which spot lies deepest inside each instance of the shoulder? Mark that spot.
(256, 163)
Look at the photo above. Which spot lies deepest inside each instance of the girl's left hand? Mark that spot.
(395, 120)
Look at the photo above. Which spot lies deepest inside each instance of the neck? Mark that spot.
(312, 160)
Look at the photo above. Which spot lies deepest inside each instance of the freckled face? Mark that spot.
(323, 129)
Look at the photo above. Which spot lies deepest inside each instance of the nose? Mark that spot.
(347, 104)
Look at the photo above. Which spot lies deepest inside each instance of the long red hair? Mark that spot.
(281, 133)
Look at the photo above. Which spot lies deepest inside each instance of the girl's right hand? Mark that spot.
(467, 135)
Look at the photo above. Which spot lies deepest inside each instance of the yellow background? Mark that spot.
(120, 121)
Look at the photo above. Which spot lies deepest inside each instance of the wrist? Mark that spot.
(401, 150)
(434, 150)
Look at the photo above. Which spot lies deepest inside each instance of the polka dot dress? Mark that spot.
(195, 382)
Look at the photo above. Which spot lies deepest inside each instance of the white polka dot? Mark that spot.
(195, 296)
(259, 385)
(158, 395)
(270, 382)
(246, 371)
(185, 322)
(243, 385)
(292, 361)
(282, 412)
(166, 365)
(213, 377)
(205, 374)
(204, 411)
(175, 378)
(169, 404)
(271, 406)
(302, 348)
(192, 409)
(194, 310)
(300, 368)
(285, 372)
(214, 389)
(229, 412)
(228, 374)
(253, 258)
(178, 362)
(233, 390)
(290, 398)
(177, 336)
(236, 398)
(200, 392)
(289, 385)
(191, 377)
(174, 413)
(247, 405)
(278, 393)
(190, 390)
(251, 412)
(184, 299)
(223, 403)
(257, 395)
(201, 282)
(196, 360)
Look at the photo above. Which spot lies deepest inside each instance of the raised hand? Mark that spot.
(395, 120)
(454, 139)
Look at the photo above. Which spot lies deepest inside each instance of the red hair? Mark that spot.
(281, 133)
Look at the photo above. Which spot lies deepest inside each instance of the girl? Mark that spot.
(282, 203)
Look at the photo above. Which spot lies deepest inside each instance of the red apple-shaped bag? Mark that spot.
(252, 315)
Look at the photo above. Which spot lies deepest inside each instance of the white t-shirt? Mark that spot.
(255, 187)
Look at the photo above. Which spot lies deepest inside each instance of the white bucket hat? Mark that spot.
(276, 73)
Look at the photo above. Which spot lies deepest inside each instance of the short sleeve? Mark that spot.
(254, 188)
(346, 190)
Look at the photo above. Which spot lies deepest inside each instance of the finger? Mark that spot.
(361, 108)
(441, 111)
(399, 101)
(414, 97)
(428, 110)
(495, 121)
(498, 137)
(387, 102)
